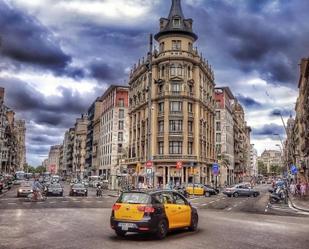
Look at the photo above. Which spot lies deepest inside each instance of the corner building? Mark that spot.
(182, 108)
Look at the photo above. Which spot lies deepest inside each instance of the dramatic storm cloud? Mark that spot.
(57, 56)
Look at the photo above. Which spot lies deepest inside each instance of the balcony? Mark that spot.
(175, 157)
(176, 113)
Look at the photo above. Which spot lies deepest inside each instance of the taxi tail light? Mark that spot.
(116, 207)
(146, 209)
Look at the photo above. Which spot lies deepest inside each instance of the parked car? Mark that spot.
(243, 189)
(155, 212)
(78, 189)
(55, 189)
(24, 189)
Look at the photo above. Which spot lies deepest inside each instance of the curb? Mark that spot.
(298, 208)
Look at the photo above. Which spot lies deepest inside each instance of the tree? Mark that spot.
(40, 169)
(29, 169)
(262, 168)
(275, 169)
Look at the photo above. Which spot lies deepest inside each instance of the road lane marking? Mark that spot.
(205, 204)
(229, 209)
(64, 201)
(12, 203)
(212, 202)
(51, 202)
(235, 205)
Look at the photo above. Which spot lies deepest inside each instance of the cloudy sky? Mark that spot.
(57, 56)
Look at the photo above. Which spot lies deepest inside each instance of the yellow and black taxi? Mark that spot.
(154, 212)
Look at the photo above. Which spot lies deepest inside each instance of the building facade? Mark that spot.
(173, 93)
(271, 158)
(111, 137)
(53, 161)
(253, 161)
(241, 144)
(79, 147)
(12, 139)
(301, 126)
(225, 134)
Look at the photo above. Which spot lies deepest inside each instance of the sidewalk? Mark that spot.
(301, 204)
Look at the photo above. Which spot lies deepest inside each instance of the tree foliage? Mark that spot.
(262, 168)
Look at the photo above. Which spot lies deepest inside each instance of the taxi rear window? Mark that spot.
(134, 198)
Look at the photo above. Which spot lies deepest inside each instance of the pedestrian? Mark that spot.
(302, 189)
(292, 188)
(298, 188)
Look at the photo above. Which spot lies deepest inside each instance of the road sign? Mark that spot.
(148, 171)
(149, 164)
(178, 165)
(215, 169)
(294, 169)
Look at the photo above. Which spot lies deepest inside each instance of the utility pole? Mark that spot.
(150, 103)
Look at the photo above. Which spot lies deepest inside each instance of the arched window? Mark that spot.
(162, 71)
(189, 72)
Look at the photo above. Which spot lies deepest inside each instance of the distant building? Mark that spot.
(79, 146)
(271, 158)
(111, 140)
(20, 129)
(253, 161)
(53, 159)
(224, 125)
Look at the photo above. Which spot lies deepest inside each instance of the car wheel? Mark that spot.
(255, 194)
(235, 194)
(120, 233)
(194, 223)
(162, 230)
(207, 194)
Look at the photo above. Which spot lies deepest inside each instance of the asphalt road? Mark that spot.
(83, 222)
(89, 228)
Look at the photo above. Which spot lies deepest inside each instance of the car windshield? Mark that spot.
(55, 186)
(26, 184)
(134, 198)
(78, 186)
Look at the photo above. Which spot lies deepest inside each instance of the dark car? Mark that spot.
(155, 212)
(55, 189)
(209, 190)
(243, 189)
(78, 189)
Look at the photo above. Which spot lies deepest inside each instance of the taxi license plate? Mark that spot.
(126, 226)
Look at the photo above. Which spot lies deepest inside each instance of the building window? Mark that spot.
(161, 126)
(190, 47)
(162, 71)
(161, 107)
(121, 124)
(218, 126)
(218, 116)
(160, 88)
(190, 126)
(190, 148)
(121, 113)
(173, 70)
(175, 87)
(176, 45)
(121, 102)
(218, 138)
(176, 22)
(179, 70)
(160, 148)
(119, 148)
(190, 89)
(175, 147)
(175, 125)
(189, 72)
(162, 45)
(120, 136)
(190, 107)
(175, 106)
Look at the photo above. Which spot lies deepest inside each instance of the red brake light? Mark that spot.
(116, 207)
(146, 209)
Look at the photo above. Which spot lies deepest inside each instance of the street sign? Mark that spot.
(178, 165)
(149, 164)
(294, 169)
(148, 171)
(215, 169)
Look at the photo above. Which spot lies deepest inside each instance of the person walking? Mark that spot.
(298, 188)
(302, 189)
(292, 188)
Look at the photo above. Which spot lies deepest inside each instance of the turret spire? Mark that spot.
(176, 23)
